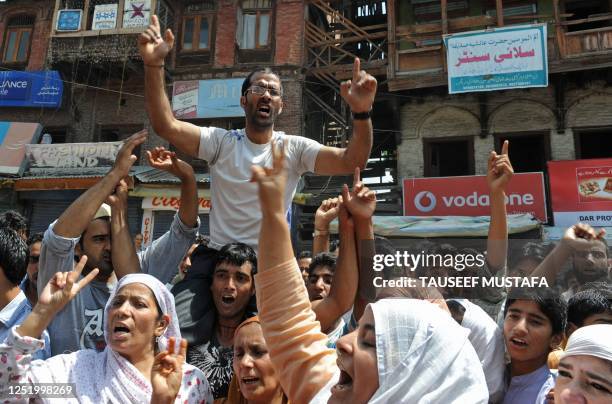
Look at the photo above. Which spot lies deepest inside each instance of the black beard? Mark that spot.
(597, 276)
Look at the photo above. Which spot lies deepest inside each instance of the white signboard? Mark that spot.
(498, 59)
(104, 17)
(136, 13)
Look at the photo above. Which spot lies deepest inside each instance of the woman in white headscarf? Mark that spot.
(585, 369)
(139, 365)
(403, 351)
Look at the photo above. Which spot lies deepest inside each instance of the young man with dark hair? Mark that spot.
(320, 276)
(534, 322)
(14, 306)
(229, 300)
(15, 221)
(93, 228)
(28, 284)
(591, 305)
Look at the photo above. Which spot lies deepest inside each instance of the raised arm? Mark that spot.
(153, 50)
(123, 252)
(499, 173)
(297, 346)
(62, 288)
(165, 160)
(578, 237)
(361, 202)
(73, 222)
(359, 94)
(344, 286)
(324, 215)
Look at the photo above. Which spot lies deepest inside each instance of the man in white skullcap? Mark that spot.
(585, 370)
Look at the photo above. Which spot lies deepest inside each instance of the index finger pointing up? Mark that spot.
(356, 177)
(504, 149)
(155, 22)
(356, 70)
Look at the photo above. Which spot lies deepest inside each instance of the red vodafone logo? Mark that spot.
(469, 196)
(425, 201)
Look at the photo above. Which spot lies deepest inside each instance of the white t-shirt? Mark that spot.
(235, 214)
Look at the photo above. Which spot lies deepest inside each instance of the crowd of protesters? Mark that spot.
(236, 316)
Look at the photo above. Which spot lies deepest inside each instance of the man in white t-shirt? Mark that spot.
(235, 214)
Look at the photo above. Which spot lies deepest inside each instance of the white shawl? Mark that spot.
(424, 356)
(107, 377)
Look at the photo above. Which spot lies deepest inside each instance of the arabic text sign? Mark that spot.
(69, 20)
(136, 13)
(581, 191)
(72, 155)
(30, 89)
(469, 196)
(14, 136)
(207, 98)
(104, 17)
(498, 59)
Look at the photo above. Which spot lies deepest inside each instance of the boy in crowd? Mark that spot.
(14, 306)
(230, 301)
(304, 259)
(534, 321)
(591, 305)
(28, 285)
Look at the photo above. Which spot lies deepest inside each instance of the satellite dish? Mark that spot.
(46, 139)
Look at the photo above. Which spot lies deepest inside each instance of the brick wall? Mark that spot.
(225, 35)
(515, 111)
(289, 32)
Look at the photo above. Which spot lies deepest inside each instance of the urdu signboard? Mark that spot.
(497, 59)
(207, 98)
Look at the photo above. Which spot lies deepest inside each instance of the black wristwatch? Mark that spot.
(361, 115)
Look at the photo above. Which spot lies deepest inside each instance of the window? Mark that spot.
(254, 23)
(17, 39)
(594, 144)
(196, 32)
(582, 10)
(528, 152)
(448, 157)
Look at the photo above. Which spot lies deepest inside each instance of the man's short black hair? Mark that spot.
(594, 298)
(548, 300)
(323, 259)
(35, 238)
(13, 256)
(247, 81)
(14, 220)
(237, 254)
(304, 254)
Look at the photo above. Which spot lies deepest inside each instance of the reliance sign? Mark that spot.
(469, 196)
(31, 89)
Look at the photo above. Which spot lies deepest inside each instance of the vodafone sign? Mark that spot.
(469, 196)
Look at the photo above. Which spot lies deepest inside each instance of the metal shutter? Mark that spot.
(44, 212)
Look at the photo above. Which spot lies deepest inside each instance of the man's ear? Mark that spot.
(77, 249)
(280, 110)
(243, 101)
(253, 289)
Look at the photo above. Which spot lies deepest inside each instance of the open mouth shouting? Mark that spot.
(264, 110)
(120, 331)
(228, 300)
(518, 343)
(344, 385)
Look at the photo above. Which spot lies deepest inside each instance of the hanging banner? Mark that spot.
(581, 191)
(207, 98)
(497, 59)
(104, 17)
(136, 13)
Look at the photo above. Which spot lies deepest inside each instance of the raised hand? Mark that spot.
(64, 286)
(499, 170)
(326, 213)
(272, 181)
(359, 92)
(153, 49)
(581, 236)
(361, 201)
(125, 159)
(167, 372)
(166, 160)
(118, 199)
